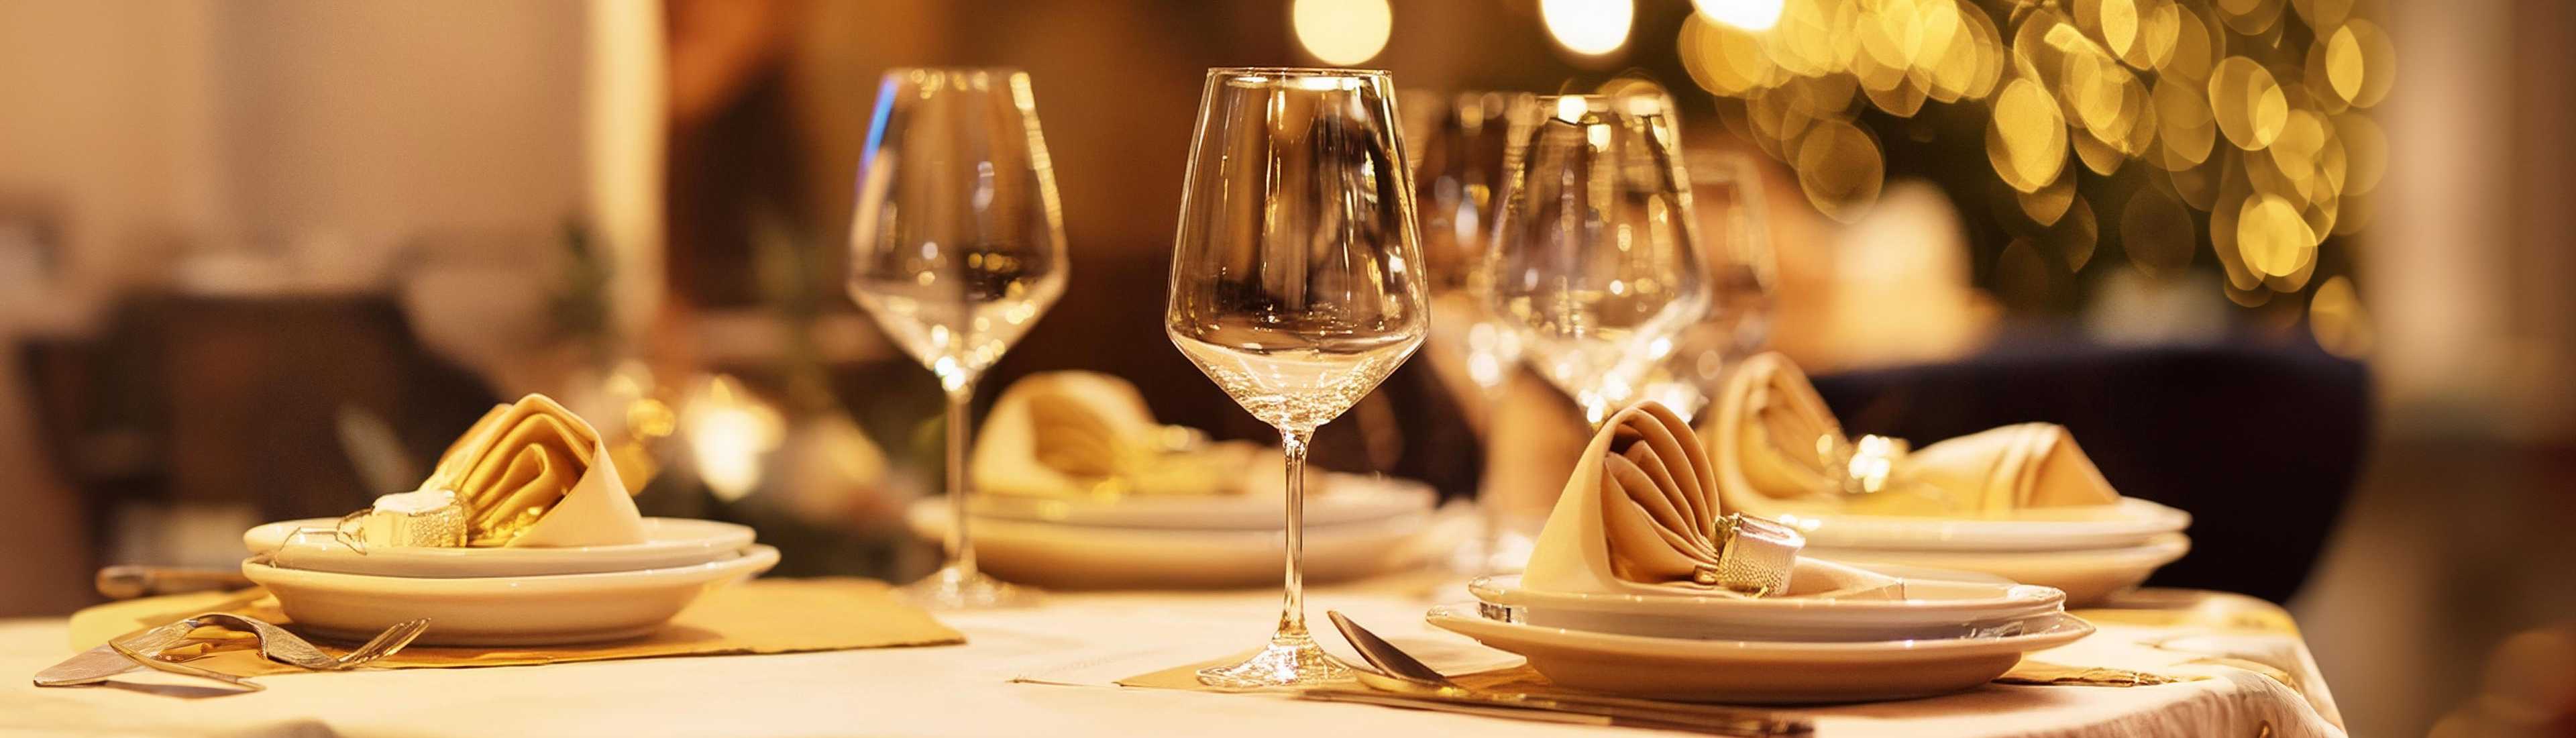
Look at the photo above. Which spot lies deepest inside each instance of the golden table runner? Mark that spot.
(755, 617)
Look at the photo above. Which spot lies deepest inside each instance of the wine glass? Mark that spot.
(956, 248)
(1726, 192)
(1296, 281)
(1463, 141)
(1595, 260)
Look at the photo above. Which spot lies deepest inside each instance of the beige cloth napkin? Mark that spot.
(758, 616)
(1770, 432)
(1076, 433)
(1640, 515)
(2015, 467)
(532, 473)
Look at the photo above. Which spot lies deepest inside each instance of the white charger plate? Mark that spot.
(503, 611)
(1762, 672)
(2087, 576)
(1929, 609)
(668, 542)
(1096, 557)
(1340, 498)
(2131, 522)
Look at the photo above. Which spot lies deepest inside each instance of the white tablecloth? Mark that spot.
(1046, 671)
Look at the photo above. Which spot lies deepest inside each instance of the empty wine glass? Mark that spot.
(1460, 149)
(1595, 261)
(1296, 281)
(956, 249)
(1726, 192)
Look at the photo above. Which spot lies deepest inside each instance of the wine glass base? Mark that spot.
(1291, 660)
(951, 588)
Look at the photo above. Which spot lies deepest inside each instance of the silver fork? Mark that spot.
(284, 647)
(101, 663)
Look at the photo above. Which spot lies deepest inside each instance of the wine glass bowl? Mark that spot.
(956, 249)
(1297, 280)
(1726, 192)
(1595, 260)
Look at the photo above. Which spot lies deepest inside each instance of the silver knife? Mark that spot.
(98, 664)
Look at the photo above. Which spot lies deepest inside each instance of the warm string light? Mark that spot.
(2248, 110)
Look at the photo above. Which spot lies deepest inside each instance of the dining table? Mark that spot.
(1055, 669)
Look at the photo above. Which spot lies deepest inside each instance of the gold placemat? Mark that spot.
(755, 617)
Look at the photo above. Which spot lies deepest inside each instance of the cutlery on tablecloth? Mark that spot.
(1471, 706)
(1404, 675)
(143, 649)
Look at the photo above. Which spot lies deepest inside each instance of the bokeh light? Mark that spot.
(1342, 32)
(2072, 92)
(1588, 27)
(1750, 15)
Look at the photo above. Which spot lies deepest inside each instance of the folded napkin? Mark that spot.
(1777, 447)
(2014, 467)
(531, 473)
(1075, 433)
(1642, 515)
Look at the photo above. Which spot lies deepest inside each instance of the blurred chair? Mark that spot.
(2260, 443)
(196, 400)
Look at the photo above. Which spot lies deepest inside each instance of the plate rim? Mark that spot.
(2015, 600)
(1417, 496)
(2064, 628)
(713, 540)
(752, 559)
(1988, 534)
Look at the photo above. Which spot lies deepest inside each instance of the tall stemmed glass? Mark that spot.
(1296, 281)
(956, 249)
(1595, 261)
(1726, 191)
(1461, 151)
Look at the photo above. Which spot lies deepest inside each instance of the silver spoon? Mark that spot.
(1404, 673)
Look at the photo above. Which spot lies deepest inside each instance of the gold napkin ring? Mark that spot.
(1756, 558)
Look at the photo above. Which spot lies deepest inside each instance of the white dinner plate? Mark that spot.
(2086, 576)
(1769, 672)
(668, 542)
(1340, 498)
(1096, 557)
(1927, 609)
(2132, 522)
(503, 611)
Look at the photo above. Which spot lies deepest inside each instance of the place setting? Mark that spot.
(1079, 488)
(2020, 502)
(523, 546)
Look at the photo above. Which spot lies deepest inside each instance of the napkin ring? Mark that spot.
(1756, 557)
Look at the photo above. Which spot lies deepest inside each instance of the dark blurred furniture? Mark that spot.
(221, 399)
(2260, 442)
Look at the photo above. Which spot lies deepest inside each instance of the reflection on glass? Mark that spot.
(1726, 191)
(956, 249)
(1461, 144)
(1595, 260)
(1296, 280)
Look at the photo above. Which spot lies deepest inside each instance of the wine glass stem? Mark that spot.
(1292, 606)
(961, 547)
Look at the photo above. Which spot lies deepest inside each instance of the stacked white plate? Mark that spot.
(501, 596)
(2090, 553)
(1355, 526)
(1934, 637)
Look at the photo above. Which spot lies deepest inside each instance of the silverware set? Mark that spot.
(146, 650)
(1404, 681)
